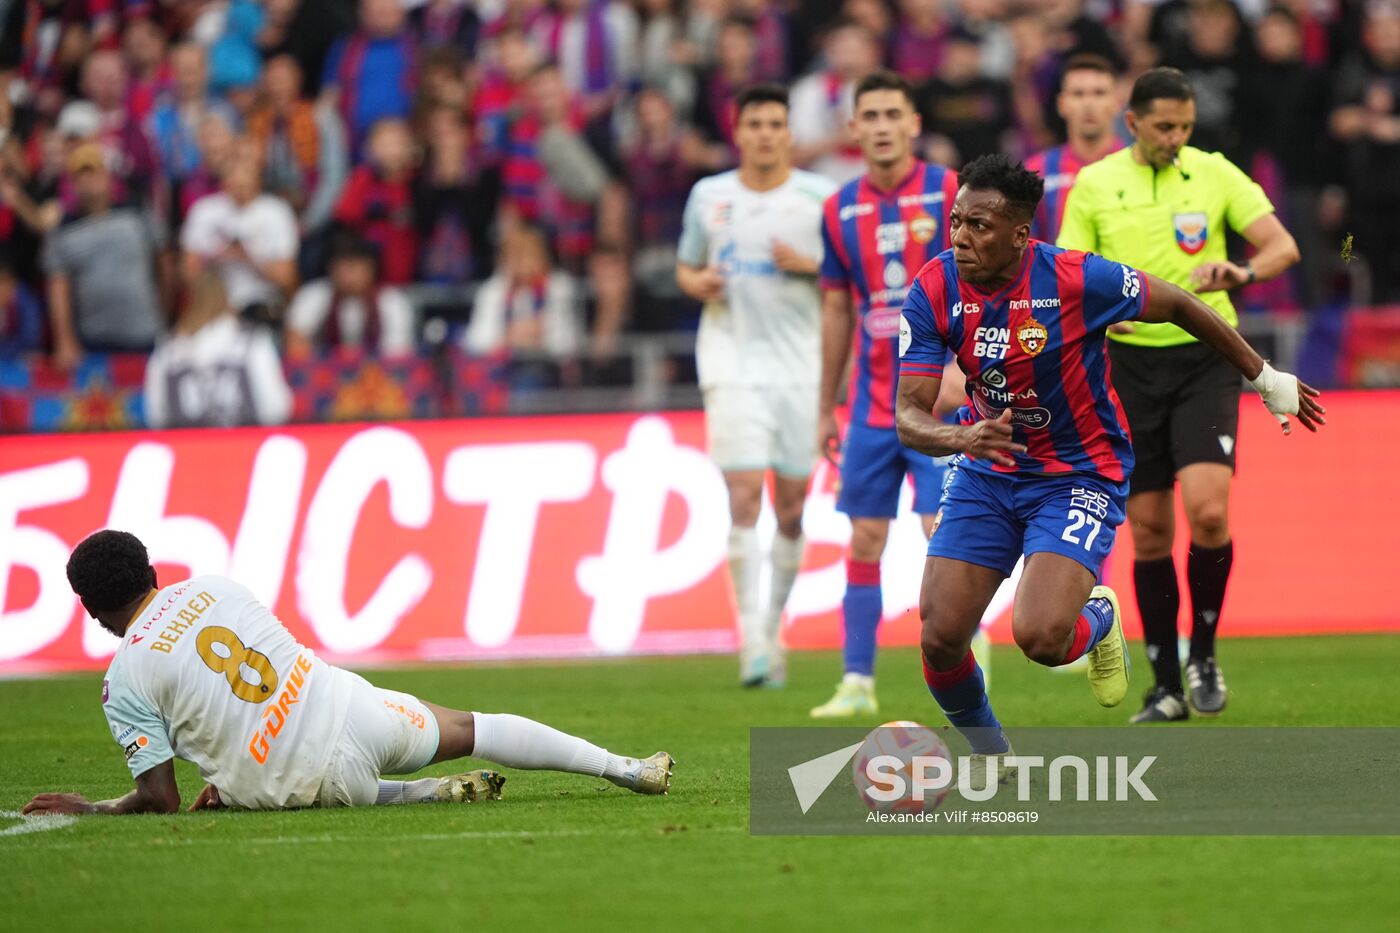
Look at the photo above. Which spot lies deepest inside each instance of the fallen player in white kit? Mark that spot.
(208, 674)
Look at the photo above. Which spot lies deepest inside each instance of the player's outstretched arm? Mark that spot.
(838, 322)
(920, 430)
(1283, 393)
(155, 792)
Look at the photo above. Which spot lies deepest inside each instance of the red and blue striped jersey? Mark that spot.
(873, 243)
(1036, 346)
(1059, 167)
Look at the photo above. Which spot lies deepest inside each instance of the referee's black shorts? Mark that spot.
(1183, 406)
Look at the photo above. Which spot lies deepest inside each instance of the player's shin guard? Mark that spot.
(861, 609)
(962, 694)
(744, 567)
(787, 561)
(1159, 601)
(1207, 573)
(1093, 625)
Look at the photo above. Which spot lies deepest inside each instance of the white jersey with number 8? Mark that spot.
(208, 674)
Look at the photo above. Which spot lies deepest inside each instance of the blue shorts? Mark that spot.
(991, 520)
(873, 466)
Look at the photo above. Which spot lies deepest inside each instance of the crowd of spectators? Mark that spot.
(311, 158)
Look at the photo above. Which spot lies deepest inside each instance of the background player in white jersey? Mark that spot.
(750, 250)
(208, 674)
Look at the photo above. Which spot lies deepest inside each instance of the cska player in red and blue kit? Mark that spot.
(1045, 453)
(877, 232)
(1089, 102)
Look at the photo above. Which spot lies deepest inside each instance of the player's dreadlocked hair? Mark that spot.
(109, 569)
(1021, 187)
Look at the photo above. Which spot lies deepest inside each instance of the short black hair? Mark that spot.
(110, 569)
(766, 93)
(1088, 61)
(886, 80)
(1159, 84)
(1021, 187)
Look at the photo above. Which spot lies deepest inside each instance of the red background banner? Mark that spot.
(590, 535)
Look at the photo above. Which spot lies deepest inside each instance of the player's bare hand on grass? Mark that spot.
(990, 439)
(208, 799)
(1218, 276)
(829, 433)
(57, 803)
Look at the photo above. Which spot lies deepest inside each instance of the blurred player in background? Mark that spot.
(1163, 206)
(1089, 103)
(750, 250)
(206, 673)
(878, 231)
(1045, 452)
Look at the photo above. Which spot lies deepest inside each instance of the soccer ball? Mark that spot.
(905, 741)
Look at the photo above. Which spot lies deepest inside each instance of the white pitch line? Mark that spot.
(39, 823)
(339, 838)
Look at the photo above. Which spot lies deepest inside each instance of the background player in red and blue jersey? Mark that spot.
(1045, 450)
(1089, 102)
(877, 232)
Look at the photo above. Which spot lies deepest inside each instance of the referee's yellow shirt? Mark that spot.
(1163, 221)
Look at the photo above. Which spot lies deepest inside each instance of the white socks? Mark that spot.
(517, 742)
(744, 567)
(864, 681)
(787, 560)
(420, 791)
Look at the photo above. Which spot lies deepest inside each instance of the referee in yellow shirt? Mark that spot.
(1162, 206)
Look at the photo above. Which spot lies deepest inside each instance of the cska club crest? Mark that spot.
(923, 228)
(1032, 336)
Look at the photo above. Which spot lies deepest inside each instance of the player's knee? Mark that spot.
(1152, 539)
(941, 649)
(1043, 644)
(744, 507)
(1210, 523)
(868, 541)
(941, 653)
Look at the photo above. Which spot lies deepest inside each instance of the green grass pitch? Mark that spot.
(568, 853)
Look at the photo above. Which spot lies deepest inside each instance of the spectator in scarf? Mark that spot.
(594, 43)
(305, 160)
(144, 46)
(456, 198)
(773, 32)
(372, 73)
(500, 96)
(661, 162)
(735, 68)
(821, 104)
(352, 308)
(377, 202)
(174, 126)
(129, 157)
(528, 306)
